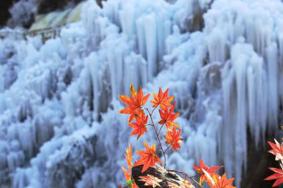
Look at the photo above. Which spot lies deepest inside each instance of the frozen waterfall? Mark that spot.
(59, 121)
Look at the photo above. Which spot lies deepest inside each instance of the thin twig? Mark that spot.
(157, 135)
(160, 129)
(153, 110)
(168, 147)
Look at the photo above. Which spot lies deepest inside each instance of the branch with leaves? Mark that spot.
(151, 173)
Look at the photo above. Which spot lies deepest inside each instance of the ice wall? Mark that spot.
(59, 121)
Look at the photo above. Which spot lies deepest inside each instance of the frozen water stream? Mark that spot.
(59, 121)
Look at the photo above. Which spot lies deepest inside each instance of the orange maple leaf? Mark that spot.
(148, 158)
(277, 176)
(276, 149)
(139, 126)
(129, 156)
(128, 171)
(133, 103)
(203, 170)
(223, 182)
(150, 180)
(173, 138)
(168, 116)
(162, 99)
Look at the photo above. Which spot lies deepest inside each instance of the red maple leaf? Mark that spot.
(133, 103)
(162, 99)
(223, 182)
(168, 116)
(203, 170)
(173, 138)
(276, 149)
(277, 176)
(139, 126)
(148, 158)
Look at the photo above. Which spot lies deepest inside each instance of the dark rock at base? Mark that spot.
(4, 11)
(167, 178)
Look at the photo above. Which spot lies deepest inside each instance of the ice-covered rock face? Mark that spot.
(59, 121)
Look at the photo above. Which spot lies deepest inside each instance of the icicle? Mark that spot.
(127, 17)
(228, 85)
(217, 46)
(142, 70)
(131, 72)
(280, 70)
(92, 23)
(151, 44)
(116, 65)
(2, 78)
(272, 80)
(96, 72)
(21, 179)
(141, 36)
(14, 160)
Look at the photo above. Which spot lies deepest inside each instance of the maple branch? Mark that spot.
(167, 149)
(156, 134)
(153, 110)
(149, 124)
(160, 129)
